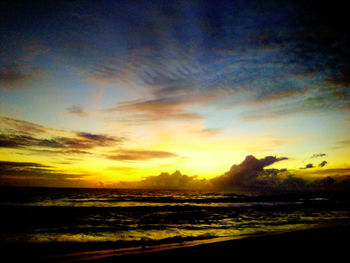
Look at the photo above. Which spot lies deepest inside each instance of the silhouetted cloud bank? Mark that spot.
(174, 181)
(250, 176)
(37, 174)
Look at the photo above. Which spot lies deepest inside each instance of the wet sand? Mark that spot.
(326, 243)
(320, 244)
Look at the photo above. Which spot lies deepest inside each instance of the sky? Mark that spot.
(164, 94)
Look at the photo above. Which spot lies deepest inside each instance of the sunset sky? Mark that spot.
(97, 92)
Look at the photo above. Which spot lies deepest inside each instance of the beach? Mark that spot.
(319, 243)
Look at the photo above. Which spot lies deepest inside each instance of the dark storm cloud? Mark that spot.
(139, 155)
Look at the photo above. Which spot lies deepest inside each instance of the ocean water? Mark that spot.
(126, 217)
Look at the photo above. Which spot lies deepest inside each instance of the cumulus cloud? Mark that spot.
(248, 175)
(175, 180)
(243, 177)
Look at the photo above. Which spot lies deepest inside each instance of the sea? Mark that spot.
(129, 217)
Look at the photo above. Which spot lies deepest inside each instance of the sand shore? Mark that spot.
(326, 243)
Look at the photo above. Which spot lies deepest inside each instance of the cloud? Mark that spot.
(316, 155)
(175, 180)
(30, 169)
(247, 175)
(342, 143)
(157, 110)
(140, 155)
(23, 126)
(23, 141)
(18, 134)
(318, 96)
(15, 75)
(323, 164)
(77, 110)
(271, 52)
(99, 139)
(308, 166)
(30, 173)
(250, 176)
(278, 95)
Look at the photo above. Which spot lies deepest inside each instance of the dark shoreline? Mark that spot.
(316, 244)
(327, 242)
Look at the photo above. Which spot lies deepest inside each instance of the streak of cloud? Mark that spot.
(317, 155)
(308, 166)
(18, 134)
(140, 155)
(77, 110)
(16, 75)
